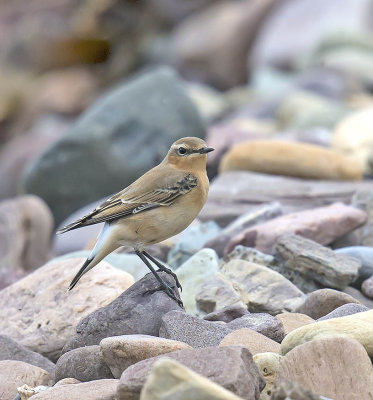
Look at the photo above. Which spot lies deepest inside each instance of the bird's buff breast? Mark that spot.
(159, 224)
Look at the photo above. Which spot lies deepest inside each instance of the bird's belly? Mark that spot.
(156, 225)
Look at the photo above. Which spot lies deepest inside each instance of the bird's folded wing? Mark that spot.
(129, 201)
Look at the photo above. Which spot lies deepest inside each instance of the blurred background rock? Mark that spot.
(92, 93)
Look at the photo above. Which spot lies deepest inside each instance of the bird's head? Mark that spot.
(188, 153)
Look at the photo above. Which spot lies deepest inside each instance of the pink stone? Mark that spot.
(323, 225)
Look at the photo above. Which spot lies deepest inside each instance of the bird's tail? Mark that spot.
(84, 221)
(105, 245)
(85, 268)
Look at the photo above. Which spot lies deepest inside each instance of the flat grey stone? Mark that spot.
(346, 309)
(317, 262)
(196, 332)
(263, 323)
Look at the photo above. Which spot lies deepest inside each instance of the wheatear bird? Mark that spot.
(158, 205)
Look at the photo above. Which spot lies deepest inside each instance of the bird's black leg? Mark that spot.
(165, 286)
(163, 268)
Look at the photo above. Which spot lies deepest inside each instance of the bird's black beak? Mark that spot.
(205, 150)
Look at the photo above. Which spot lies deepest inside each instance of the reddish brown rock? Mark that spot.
(231, 367)
(323, 225)
(323, 301)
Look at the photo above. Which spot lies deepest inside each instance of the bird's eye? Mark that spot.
(182, 151)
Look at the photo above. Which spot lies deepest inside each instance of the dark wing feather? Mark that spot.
(126, 203)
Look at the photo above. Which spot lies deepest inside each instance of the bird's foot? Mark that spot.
(170, 272)
(168, 290)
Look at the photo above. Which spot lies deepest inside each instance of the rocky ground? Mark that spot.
(277, 270)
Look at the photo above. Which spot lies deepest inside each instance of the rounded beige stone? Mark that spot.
(290, 159)
(120, 352)
(356, 326)
(291, 321)
(254, 341)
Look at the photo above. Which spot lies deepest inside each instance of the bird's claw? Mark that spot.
(168, 290)
(168, 271)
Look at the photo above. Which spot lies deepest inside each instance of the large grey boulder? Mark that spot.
(123, 134)
(138, 310)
